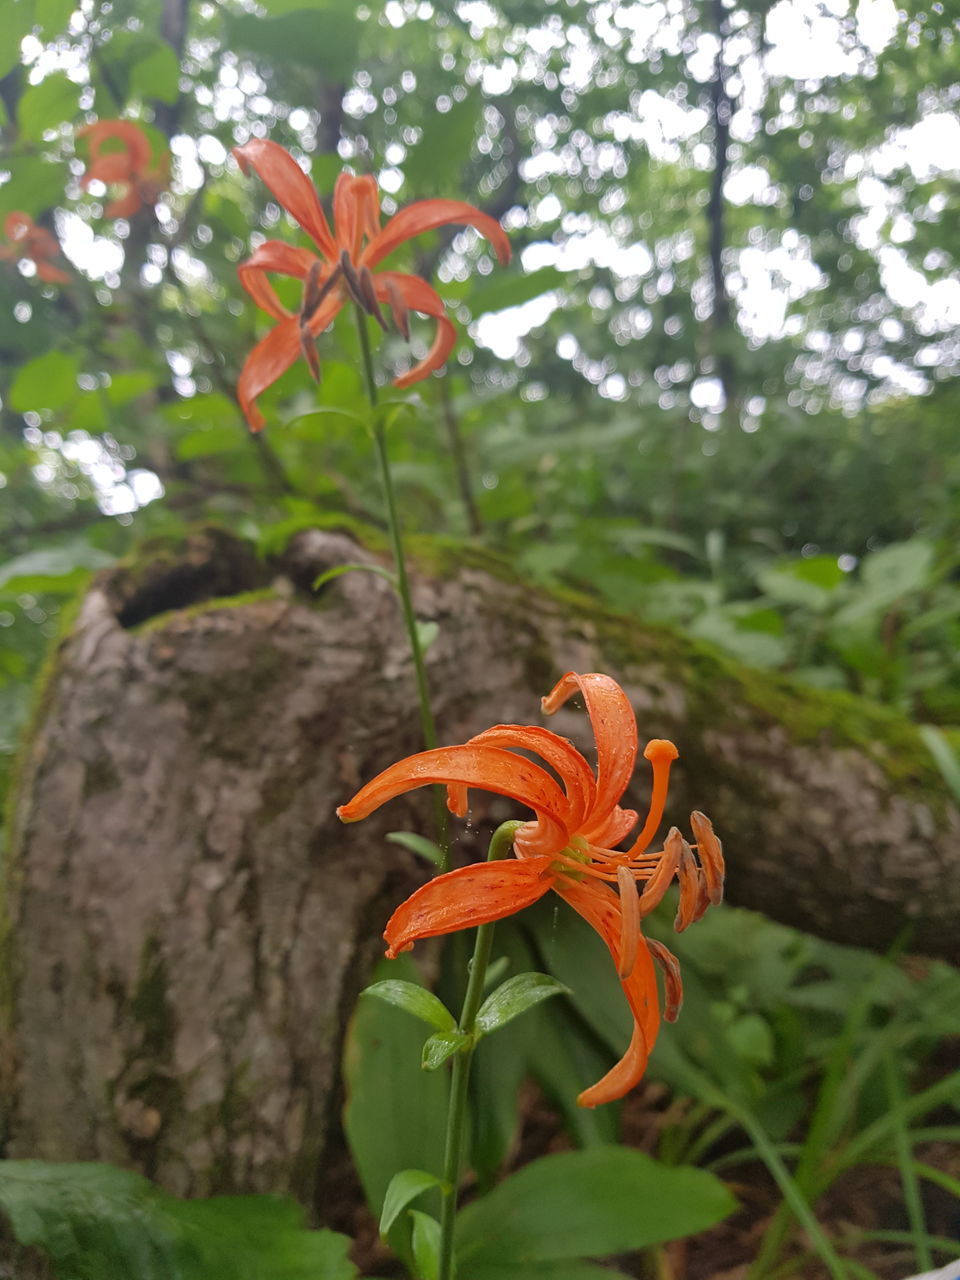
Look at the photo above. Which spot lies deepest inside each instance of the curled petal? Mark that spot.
(710, 852)
(276, 256)
(659, 882)
(559, 753)
(472, 895)
(615, 732)
(688, 874)
(616, 828)
(111, 170)
(270, 358)
(51, 274)
(18, 225)
(672, 982)
(491, 769)
(290, 186)
(622, 1077)
(134, 140)
(419, 296)
(601, 909)
(125, 206)
(427, 215)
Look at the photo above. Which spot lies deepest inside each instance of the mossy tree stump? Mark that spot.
(189, 925)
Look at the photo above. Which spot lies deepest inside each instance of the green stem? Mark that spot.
(501, 844)
(427, 723)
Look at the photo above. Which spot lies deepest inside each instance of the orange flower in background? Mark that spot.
(26, 240)
(344, 270)
(568, 849)
(129, 166)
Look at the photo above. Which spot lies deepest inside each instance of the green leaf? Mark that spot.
(339, 570)
(441, 1046)
(209, 442)
(53, 569)
(541, 1271)
(512, 289)
(392, 1106)
(419, 845)
(157, 75)
(426, 1245)
(514, 997)
(35, 184)
(48, 382)
(47, 105)
(948, 762)
(414, 999)
(594, 1204)
(97, 1222)
(18, 19)
(53, 15)
(433, 164)
(808, 583)
(427, 632)
(404, 1188)
(325, 39)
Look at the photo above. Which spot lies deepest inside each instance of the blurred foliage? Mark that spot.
(716, 388)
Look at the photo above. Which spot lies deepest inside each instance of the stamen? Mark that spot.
(370, 297)
(710, 851)
(629, 923)
(688, 873)
(352, 280)
(661, 755)
(308, 346)
(672, 982)
(659, 882)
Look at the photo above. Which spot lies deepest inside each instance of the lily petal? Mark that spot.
(135, 141)
(125, 206)
(559, 753)
(477, 894)
(110, 170)
(268, 360)
(490, 768)
(615, 732)
(290, 186)
(276, 256)
(356, 212)
(427, 215)
(601, 909)
(419, 296)
(51, 274)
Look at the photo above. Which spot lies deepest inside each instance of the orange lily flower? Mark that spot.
(129, 167)
(27, 240)
(343, 271)
(568, 849)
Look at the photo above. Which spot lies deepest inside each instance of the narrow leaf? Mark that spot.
(340, 569)
(441, 1046)
(426, 1245)
(421, 1003)
(419, 845)
(404, 1188)
(514, 997)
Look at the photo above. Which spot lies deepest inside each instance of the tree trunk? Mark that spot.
(189, 924)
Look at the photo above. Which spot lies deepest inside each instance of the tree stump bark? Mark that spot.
(189, 925)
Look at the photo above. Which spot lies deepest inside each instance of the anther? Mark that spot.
(629, 923)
